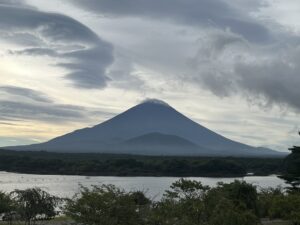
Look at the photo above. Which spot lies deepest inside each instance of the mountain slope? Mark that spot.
(153, 139)
(158, 144)
(152, 116)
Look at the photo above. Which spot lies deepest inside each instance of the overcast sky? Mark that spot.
(232, 66)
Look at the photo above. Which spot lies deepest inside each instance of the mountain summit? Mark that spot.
(150, 128)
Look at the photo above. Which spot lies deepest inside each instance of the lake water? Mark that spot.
(67, 186)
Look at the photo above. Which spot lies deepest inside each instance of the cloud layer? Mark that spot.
(216, 13)
(82, 53)
(234, 52)
(18, 103)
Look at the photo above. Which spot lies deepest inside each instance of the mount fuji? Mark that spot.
(150, 128)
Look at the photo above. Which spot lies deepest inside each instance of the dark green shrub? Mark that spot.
(108, 205)
(33, 203)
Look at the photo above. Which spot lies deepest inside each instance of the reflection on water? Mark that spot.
(67, 186)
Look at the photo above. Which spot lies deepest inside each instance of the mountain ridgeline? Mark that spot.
(150, 128)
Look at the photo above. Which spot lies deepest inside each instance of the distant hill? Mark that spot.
(157, 143)
(150, 128)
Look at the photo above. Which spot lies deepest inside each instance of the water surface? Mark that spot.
(67, 186)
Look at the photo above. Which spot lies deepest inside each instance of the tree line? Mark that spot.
(131, 165)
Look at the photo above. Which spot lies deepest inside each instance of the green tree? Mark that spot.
(108, 205)
(7, 206)
(266, 198)
(183, 204)
(240, 193)
(292, 169)
(191, 203)
(234, 203)
(275, 203)
(35, 202)
(227, 213)
(6, 203)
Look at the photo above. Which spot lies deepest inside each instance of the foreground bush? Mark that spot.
(32, 204)
(186, 203)
(108, 205)
(189, 202)
(6, 205)
(277, 204)
(183, 204)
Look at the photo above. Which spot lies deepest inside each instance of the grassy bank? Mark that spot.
(64, 220)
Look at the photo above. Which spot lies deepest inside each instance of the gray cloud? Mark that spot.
(21, 38)
(56, 35)
(28, 104)
(227, 65)
(121, 73)
(230, 59)
(13, 2)
(91, 73)
(212, 13)
(35, 52)
(26, 93)
(272, 81)
(93, 67)
(24, 103)
(49, 113)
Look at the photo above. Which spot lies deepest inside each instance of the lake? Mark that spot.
(67, 186)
